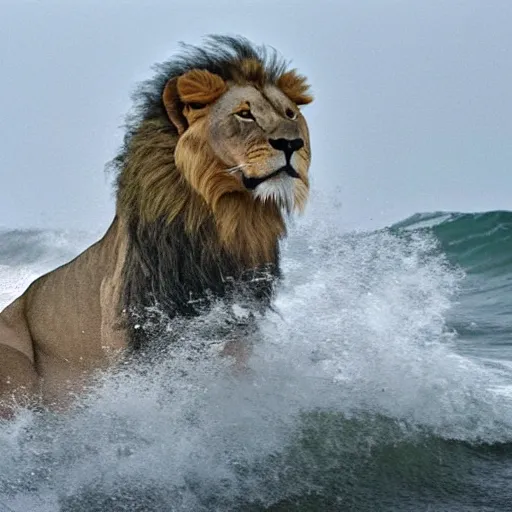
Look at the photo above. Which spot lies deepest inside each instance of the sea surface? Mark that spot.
(381, 382)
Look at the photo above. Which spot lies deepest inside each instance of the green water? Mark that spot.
(481, 244)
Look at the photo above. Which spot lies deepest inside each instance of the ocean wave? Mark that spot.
(358, 398)
(479, 242)
(481, 245)
(41, 247)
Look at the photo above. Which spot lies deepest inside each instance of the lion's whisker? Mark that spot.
(238, 167)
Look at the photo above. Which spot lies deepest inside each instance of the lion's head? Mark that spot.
(254, 139)
(217, 154)
(221, 123)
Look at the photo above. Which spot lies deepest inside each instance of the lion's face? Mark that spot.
(262, 137)
(249, 138)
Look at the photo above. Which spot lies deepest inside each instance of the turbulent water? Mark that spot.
(383, 381)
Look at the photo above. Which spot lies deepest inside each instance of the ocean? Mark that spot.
(381, 382)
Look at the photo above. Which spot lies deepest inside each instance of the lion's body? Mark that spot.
(79, 301)
(188, 231)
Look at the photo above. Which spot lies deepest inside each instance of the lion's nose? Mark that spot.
(287, 145)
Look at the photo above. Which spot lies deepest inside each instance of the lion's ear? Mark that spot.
(200, 87)
(295, 86)
(174, 106)
(196, 88)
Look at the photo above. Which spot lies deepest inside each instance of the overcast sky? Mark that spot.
(413, 108)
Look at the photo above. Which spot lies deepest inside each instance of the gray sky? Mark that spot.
(413, 108)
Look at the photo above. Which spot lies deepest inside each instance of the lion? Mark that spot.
(214, 161)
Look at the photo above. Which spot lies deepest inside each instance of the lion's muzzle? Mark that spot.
(288, 147)
(252, 183)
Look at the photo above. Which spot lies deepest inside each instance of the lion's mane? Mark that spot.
(182, 253)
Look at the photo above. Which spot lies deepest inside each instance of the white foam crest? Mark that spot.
(374, 313)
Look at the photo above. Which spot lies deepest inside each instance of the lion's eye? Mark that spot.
(245, 114)
(290, 114)
(196, 106)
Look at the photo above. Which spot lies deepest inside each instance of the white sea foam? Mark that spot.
(360, 329)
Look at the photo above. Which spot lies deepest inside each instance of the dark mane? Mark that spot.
(185, 275)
